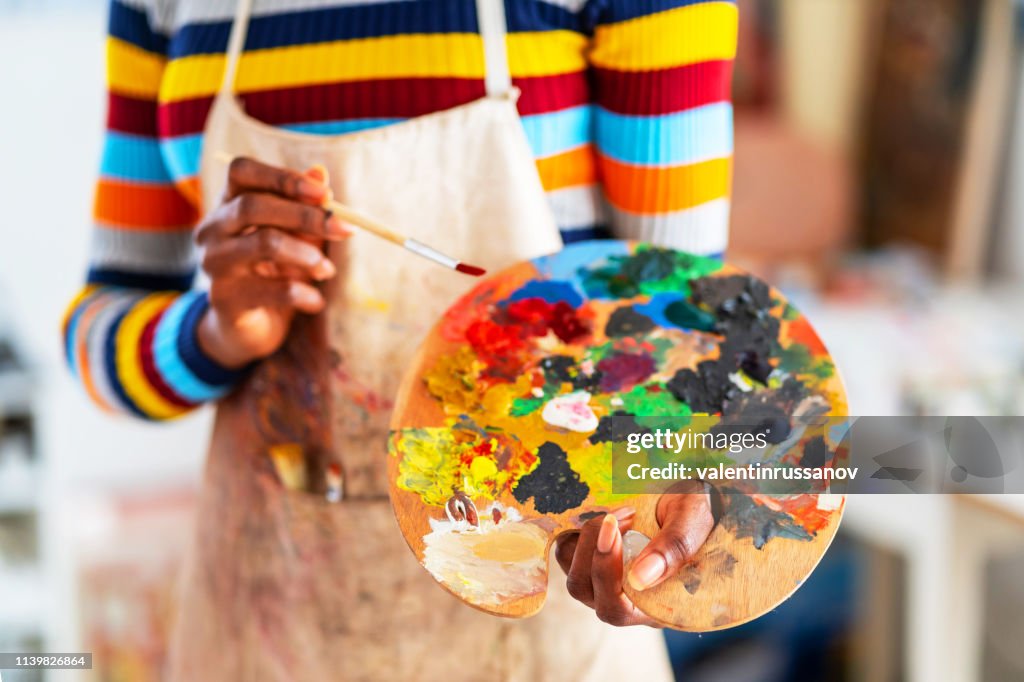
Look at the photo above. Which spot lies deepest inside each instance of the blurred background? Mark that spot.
(879, 169)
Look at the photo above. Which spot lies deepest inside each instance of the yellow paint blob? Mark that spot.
(453, 381)
(490, 565)
(427, 466)
(511, 546)
(483, 468)
(497, 401)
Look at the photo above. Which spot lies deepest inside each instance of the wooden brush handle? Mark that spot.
(350, 215)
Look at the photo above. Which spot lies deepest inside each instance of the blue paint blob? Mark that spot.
(565, 264)
(670, 309)
(551, 291)
(655, 308)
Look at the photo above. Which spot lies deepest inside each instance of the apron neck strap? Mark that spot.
(493, 28)
(239, 30)
(491, 17)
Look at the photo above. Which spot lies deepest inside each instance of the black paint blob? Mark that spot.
(756, 367)
(750, 337)
(558, 368)
(626, 321)
(816, 453)
(763, 412)
(748, 519)
(616, 428)
(553, 485)
(705, 390)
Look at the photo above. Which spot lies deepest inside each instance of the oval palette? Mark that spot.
(501, 436)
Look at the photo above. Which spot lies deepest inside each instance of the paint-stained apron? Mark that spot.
(284, 585)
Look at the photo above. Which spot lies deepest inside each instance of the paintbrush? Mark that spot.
(350, 215)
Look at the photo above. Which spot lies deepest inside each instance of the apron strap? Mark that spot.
(239, 30)
(493, 28)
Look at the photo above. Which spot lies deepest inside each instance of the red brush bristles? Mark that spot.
(471, 270)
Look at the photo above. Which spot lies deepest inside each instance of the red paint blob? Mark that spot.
(490, 339)
(471, 270)
(531, 314)
(536, 316)
(566, 324)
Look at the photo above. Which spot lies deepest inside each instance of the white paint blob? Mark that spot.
(829, 501)
(571, 412)
(493, 564)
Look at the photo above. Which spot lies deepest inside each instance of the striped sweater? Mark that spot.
(625, 104)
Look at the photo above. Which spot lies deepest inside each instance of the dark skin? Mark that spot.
(264, 253)
(592, 557)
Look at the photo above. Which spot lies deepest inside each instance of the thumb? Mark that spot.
(686, 521)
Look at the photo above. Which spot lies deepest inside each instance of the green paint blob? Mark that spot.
(598, 353)
(689, 316)
(524, 406)
(649, 270)
(797, 359)
(651, 403)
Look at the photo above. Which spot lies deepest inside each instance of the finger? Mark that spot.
(565, 544)
(248, 175)
(305, 298)
(269, 270)
(686, 521)
(565, 548)
(238, 295)
(269, 253)
(610, 603)
(269, 210)
(578, 581)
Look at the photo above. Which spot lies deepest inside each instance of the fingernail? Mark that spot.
(311, 190)
(318, 172)
(324, 269)
(335, 228)
(306, 297)
(606, 536)
(647, 570)
(625, 513)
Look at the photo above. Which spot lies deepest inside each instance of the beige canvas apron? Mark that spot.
(284, 585)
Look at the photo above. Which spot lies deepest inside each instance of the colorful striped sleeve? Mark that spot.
(662, 73)
(130, 334)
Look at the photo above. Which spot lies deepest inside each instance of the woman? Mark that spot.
(411, 108)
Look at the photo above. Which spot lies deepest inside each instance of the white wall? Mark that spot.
(51, 115)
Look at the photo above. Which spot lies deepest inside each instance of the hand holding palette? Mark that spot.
(504, 428)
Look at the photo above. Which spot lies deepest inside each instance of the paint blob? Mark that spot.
(571, 412)
(498, 561)
(553, 486)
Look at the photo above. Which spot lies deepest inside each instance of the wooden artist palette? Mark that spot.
(499, 439)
